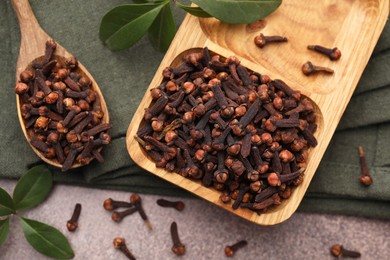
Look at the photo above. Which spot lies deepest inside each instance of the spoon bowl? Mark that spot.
(32, 48)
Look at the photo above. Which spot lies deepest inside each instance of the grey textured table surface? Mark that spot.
(204, 229)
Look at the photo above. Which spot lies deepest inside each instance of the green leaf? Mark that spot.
(238, 12)
(124, 25)
(32, 188)
(163, 29)
(6, 203)
(4, 229)
(46, 239)
(196, 10)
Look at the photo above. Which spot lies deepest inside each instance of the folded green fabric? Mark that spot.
(124, 77)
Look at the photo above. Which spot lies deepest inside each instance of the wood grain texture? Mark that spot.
(353, 26)
(32, 47)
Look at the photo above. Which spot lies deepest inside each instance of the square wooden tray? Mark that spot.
(353, 26)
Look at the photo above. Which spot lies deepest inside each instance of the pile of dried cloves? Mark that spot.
(63, 111)
(235, 130)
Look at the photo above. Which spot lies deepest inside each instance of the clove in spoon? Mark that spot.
(32, 48)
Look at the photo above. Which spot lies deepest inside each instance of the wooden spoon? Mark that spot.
(32, 47)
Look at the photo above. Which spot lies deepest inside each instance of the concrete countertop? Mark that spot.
(204, 229)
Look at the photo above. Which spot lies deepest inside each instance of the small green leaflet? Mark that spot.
(46, 239)
(163, 29)
(124, 25)
(32, 188)
(6, 203)
(196, 11)
(238, 12)
(4, 229)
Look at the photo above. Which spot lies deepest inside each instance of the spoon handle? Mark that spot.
(33, 37)
(26, 17)
(31, 31)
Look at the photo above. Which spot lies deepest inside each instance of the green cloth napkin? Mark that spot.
(124, 77)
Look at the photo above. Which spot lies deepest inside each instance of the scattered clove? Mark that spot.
(136, 200)
(365, 177)
(231, 250)
(120, 243)
(178, 248)
(110, 204)
(178, 205)
(333, 53)
(262, 40)
(309, 68)
(72, 224)
(339, 251)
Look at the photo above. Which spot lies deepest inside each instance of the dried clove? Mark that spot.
(231, 250)
(178, 205)
(75, 148)
(178, 248)
(365, 177)
(120, 243)
(309, 68)
(136, 200)
(72, 224)
(239, 129)
(333, 53)
(246, 145)
(339, 251)
(262, 40)
(110, 204)
(221, 175)
(240, 197)
(273, 200)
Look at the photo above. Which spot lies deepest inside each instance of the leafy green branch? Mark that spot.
(32, 189)
(124, 25)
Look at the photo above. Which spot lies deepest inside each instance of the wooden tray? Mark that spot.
(353, 26)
